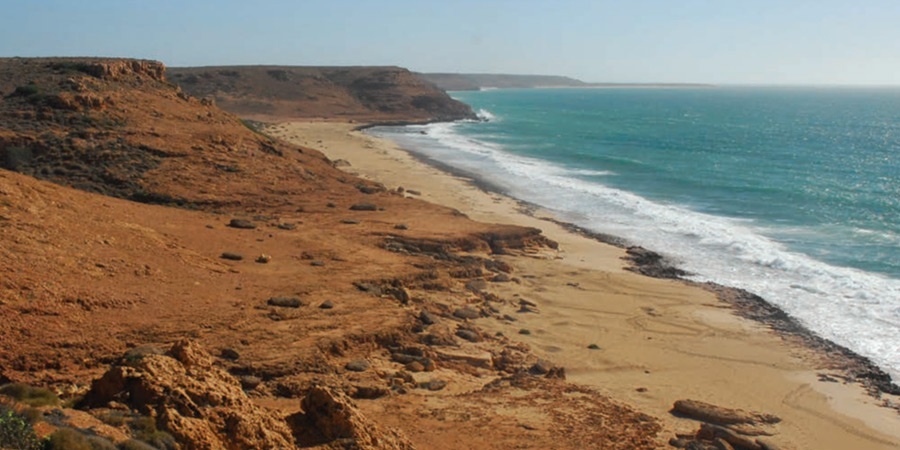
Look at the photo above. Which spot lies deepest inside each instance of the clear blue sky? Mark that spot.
(715, 41)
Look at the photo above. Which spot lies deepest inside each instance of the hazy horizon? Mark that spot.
(795, 43)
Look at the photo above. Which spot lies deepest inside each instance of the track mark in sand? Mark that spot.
(657, 326)
(750, 362)
(793, 400)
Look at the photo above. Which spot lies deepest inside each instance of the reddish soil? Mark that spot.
(87, 276)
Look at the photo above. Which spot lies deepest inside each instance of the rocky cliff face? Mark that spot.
(117, 127)
(375, 94)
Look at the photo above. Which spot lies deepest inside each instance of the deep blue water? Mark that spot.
(791, 193)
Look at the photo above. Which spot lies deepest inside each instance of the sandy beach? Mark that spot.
(658, 341)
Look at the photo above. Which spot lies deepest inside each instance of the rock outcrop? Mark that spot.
(331, 417)
(202, 406)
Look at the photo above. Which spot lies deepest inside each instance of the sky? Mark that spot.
(703, 41)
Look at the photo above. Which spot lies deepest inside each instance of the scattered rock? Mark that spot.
(433, 385)
(401, 226)
(469, 335)
(369, 392)
(285, 302)
(331, 205)
(317, 263)
(525, 331)
(466, 313)
(363, 207)
(594, 347)
(359, 365)
(509, 318)
(500, 278)
(242, 224)
(340, 163)
(250, 382)
(476, 285)
(334, 416)
(230, 353)
(263, 258)
(349, 222)
(413, 192)
(541, 367)
(327, 304)
(428, 318)
(232, 256)
(415, 366)
(287, 226)
(706, 412)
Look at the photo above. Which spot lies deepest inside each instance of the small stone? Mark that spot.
(500, 278)
(641, 389)
(263, 258)
(509, 318)
(349, 222)
(242, 224)
(525, 331)
(476, 285)
(250, 382)
(327, 304)
(232, 256)
(359, 365)
(287, 226)
(369, 392)
(434, 385)
(401, 226)
(468, 335)
(285, 302)
(415, 366)
(413, 192)
(317, 263)
(427, 318)
(230, 353)
(466, 313)
(542, 367)
(363, 207)
(594, 347)
(331, 205)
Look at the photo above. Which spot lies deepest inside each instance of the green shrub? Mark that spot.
(134, 444)
(101, 443)
(114, 418)
(28, 395)
(68, 439)
(16, 432)
(145, 430)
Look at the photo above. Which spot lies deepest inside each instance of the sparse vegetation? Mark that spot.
(28, 395)
(68, 439)
(16, 432)
(145, 430)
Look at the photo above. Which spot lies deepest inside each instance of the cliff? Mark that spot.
(365, 94)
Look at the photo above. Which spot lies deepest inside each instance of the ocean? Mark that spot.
(790, 193)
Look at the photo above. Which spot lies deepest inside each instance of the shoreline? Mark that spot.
(382, 161)
(856, 367)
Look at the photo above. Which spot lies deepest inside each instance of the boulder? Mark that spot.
(199, 404)
(336, 418)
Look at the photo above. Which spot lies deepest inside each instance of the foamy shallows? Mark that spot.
(792, 194)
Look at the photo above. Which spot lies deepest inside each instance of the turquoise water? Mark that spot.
(791, 193)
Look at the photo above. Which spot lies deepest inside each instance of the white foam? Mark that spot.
(857, 309)
(486, 115)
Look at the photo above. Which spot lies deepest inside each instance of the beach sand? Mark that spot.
(659, 340)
